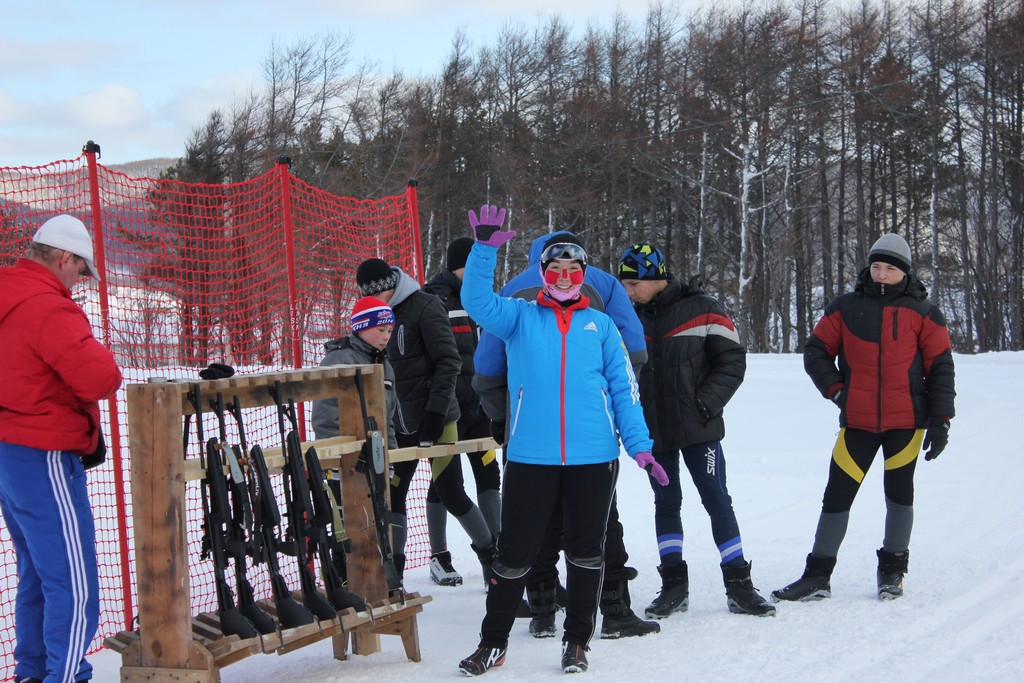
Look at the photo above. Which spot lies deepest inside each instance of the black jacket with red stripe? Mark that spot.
(693, 352)
(894, 357)
(448, 289)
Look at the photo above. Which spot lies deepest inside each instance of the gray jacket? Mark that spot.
(352, 350)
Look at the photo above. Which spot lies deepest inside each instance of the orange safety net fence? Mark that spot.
(258, 275)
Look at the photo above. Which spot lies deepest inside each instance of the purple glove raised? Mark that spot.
(646, 461)
(487, 228)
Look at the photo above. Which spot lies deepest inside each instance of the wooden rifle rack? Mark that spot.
(170, 643)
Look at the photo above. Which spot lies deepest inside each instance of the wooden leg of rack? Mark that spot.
(364, 643)
(410, 638)
(340, 643)
(202, 669)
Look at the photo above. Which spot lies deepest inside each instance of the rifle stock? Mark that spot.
(266, 519)
(289, 611)
(240, 531)
(299, 507)
(330, 551)
(217, 513)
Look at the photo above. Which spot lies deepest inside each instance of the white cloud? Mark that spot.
(30, 60)
(12, 111)
(194, 103)
(111, 106)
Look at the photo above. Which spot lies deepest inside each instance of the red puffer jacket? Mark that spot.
(54, 371)
(895, 360)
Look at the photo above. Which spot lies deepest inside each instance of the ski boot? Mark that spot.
(574, 658)
(813, 585)
(741, 595)
(674, 595)
(618, 619)
(481, 660)
(441, 570)
(891, 568)
(543, 609)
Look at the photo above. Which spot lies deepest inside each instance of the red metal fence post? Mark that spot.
(292, 328)
(91, 151)
(412, 201)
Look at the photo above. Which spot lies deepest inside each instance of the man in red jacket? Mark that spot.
(882, 354)
(55, 373)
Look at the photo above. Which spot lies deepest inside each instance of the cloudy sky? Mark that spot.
(137, 76)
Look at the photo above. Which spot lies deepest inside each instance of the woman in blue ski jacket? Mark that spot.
(572, 397)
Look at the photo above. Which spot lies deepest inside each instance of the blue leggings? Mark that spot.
(706, 464)
(46, 508)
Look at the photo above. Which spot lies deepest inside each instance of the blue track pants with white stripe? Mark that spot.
(47, 513)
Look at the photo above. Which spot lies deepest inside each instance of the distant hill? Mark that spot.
(144, 168)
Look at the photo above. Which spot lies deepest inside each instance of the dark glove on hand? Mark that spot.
(498, 431)
(431, 427)
(216, 371)
(837, 396)
(98, 456)
(936, 437)
(703, 410)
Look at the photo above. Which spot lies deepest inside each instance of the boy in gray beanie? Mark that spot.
(894, 387)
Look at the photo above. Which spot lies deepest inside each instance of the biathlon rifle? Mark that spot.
(371, 462)
(217, 513)
(299, 507)
(329, 548)
(266, 520)
(241, 532)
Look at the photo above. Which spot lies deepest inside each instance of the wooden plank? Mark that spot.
(205, 629)
(158, 509)
(329, 450)
(148, 674)
(365, 571)
(382, 621)
(441, 449)
(120, 642)
(230, 651)
(328, 629)
(253, 390)
(350, 619)
(390, 610)
(200, 669)
(269, 642)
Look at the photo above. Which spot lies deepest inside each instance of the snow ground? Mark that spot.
(961, 619)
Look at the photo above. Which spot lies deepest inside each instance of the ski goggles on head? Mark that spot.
(564, 250)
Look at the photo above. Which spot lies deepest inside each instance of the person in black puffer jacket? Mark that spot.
(426, 361)
(695, 364)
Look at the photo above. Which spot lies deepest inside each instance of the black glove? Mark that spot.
(98, 456)
(498, 431)
(837, 396)
(216, 371)
(937, 437)
(703, 410)
(431, 427)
